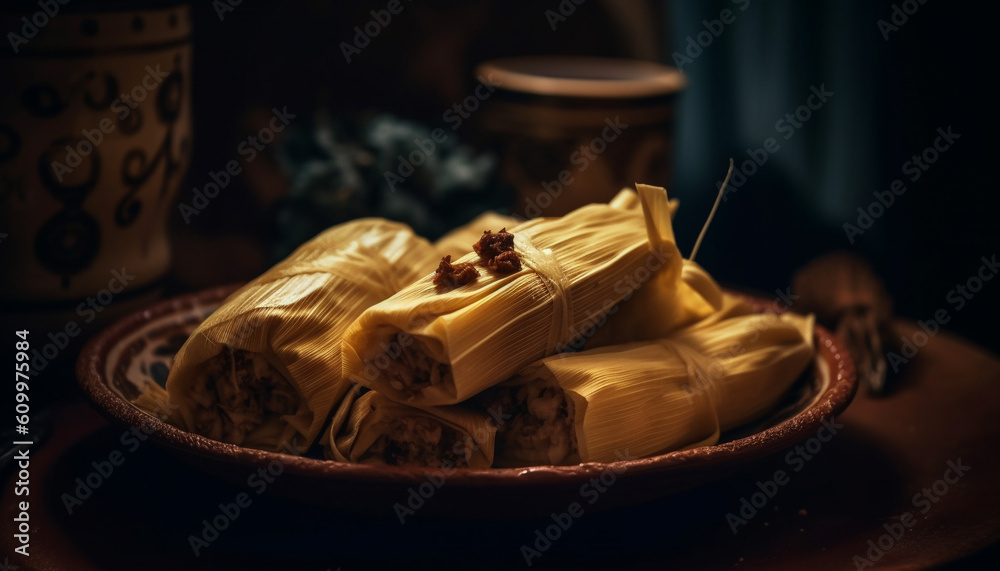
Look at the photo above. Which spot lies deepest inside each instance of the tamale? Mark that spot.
(378, 430)
(637, 399)
(432, 346)
(649, 397)
(264, 370)
(754, 359)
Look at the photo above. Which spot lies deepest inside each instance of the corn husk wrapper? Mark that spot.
(753, 360)
(370, 416)
(574, 269)
(636, 318)
(459, 241)
(627, 401)
(725, 305)
(293, 317)
(644, 398)
(702, 282)
(154, 400)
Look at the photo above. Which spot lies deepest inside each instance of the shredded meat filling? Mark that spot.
(413, 370)
(540, 429)
(454, 275)
(419, 441)
(237, 393)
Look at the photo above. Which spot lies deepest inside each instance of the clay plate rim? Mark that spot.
(831, 401)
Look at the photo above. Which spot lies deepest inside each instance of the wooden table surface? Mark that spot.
(857, 488)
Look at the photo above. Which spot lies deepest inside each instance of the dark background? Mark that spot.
(890, 97)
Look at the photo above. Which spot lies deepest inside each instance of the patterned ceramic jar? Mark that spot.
(95, 137)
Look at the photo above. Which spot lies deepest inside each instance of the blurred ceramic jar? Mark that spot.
(575, 130)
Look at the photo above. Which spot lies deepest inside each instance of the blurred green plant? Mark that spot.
(342, 169)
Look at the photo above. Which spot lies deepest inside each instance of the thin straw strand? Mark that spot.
(718, 199)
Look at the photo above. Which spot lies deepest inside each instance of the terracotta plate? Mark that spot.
(138, 349)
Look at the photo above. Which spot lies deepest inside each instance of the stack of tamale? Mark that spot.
(353, 333)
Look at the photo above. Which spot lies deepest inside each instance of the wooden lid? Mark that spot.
(576, 76)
